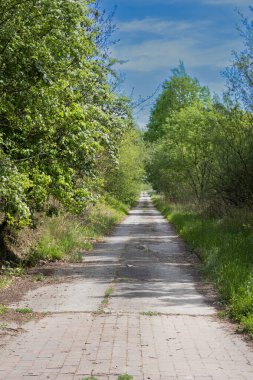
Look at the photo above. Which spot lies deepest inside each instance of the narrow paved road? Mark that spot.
(155, 326)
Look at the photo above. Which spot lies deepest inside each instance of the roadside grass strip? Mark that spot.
(225, 246)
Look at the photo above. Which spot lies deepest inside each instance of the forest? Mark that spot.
(73, 162)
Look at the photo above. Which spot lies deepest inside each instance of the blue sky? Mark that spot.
(156, 34)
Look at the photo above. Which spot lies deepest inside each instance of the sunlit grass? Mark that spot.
(65, 237)
(5, 281)
(8, 273)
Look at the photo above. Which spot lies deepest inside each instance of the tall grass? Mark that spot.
(65, 237)
(225, 246)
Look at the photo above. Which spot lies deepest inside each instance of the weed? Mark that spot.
(18, 271)
(75, 257)
(5, 281)
(3, 309)
(63, 237)
(125, 376)
(125, 279)
(8, 273)
(150, 313)
(99, 311)
(247, 322)
(55, 278)
(3, 326)
(108, 292)
(24, 310)
(89, 378)
(38, 277)
(107, 295)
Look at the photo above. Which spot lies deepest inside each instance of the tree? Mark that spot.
(240, 74)
(184, 157)
(178, 92)
(57, 111)
(124, 180)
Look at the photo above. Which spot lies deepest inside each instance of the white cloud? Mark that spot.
(156, 26)
(158, 54)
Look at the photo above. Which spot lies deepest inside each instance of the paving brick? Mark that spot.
(185, 342)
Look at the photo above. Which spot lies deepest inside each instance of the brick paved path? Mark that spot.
(156, 325)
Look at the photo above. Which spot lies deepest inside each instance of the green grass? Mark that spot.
(124, 376)
(8, 273)
(150, 313)
(65, 237)
(38, 277)
(107, 295)
(5, 281)
(108, 292)
(3, 309)
(3, 326)
(24, 310)
(225, 246)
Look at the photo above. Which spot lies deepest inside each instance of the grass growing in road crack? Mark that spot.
(24, 310)
(124, 376)
(107, 295)
(225, 248)
(150, 313)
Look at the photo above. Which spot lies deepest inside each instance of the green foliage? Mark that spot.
(247, 322)
(17, 271)
(181, 162)
(107, 295)
(8, 273)
(64, 237)
(150, 313)
(59, 238)
(108, 292)
(202, 152)
(3, 309)
(38, 277)
(124, 181)
(58, 115)
(225, 247)
(5, 281)
(125, 376)
(178, 92)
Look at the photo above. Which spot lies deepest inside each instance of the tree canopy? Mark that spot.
(58, 114)
(201, 148)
